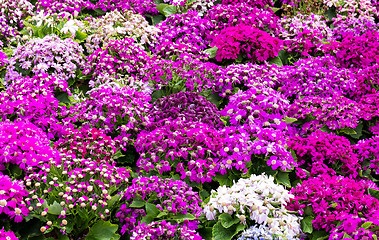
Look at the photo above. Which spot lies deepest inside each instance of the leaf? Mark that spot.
(358, 131)
(103, 231)
(319, 235)
(221, 233)
(283, 178)
(366, 225)
(184, 216)
(169, 10)
(137, 203)
(348, 131)
(81, 36)
(157, 19)
(162, 214)
(55, 208)
(306, 224)
(374, 193)
(347, 236)
(151, 210)
(227, 220)
(276, 60)
(289, 120)
(99, 11)
(161, 6)
(211, 52)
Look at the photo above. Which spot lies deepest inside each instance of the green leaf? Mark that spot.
(366, 225)
(157, 19)
(358, 131)
(374, 193)
(162, 214)
(81, 35)
(289, 120)
(277, 61)
(180, 217)
(274, 9)
(100, 12)
(151, 210)
(347, 236)
(55, 208)
(137, 203)
(319, 235)
(103, 231)
(283, 178)
(161, 6)
(348, 131)
(221, 233)
(306, 224)
(169, 10)
(227, 220)
(211, 52)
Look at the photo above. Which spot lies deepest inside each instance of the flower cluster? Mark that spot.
(304, 34)
(256, 200)
(357, 26)
(183, 33)
(353, 8)
(162, 230)
(12, 195)
(117, 59)
(72, 186)
(223, 16)
(119, 25)
(32, 99)
(368, 151)
(7, 235)
(71, 6)
(327, 149)
(261, 111)
(331, 197)
(171, 197)
(186, 106)
(24, 145)
(253, 3)
(245, 42)
(60, 58)
(113, 108)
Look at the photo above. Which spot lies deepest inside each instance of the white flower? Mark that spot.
(70, 26)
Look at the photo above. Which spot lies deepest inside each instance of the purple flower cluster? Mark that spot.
(7, 235)
(331, 197)
(60, 58)
(12, 195)
(24, 145)
(368, 151)
(245, 42)
(356, 227)
(117, 59)
(171, 196)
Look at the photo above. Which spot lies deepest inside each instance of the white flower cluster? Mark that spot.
(118, 25)
(354, 8)
(259, 199)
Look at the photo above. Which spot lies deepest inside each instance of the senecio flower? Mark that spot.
(12, 194)
(246, 42)
(257, 199)
(7, 235)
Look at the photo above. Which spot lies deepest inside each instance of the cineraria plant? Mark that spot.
(326, 149)
(61, 59)
(262, 111)
(304, 35)
(245, 43)
(12, 205)
(56, 6)
(253, 3)
(368, 152)
(72, 194)
(24, 146)
(153, 199)
(121, 110)
(32, 99)
(367, 81)
(324, 199)
(8, 235)
(254, 201)
(117, 59)
(187, 106)
(343, 25)
(119, 25)
(190, 149)
(223, 16)
(353, 8)
(162, 230)
(182, 33)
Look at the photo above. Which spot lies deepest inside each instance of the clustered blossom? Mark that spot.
(357, 26)
(257, 233)
(332, 152)
(356, 227)
(117, 59)
(304, 34)
(253, 3)
(24, 145)
(113, 108)
(187, 106)
(70, 184)
(368, 151)
(223, 16)
(353, 8)
(60, 58)
(119, 25)
(162, 230)
(172, 196)
(32, 99)
(262, 110)
(8, 235)
(71, 6)
(12, 195)
(256, 199)
(245, 42)
(183, 33)
(191, 149)
(331, 197)
(86, 142)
